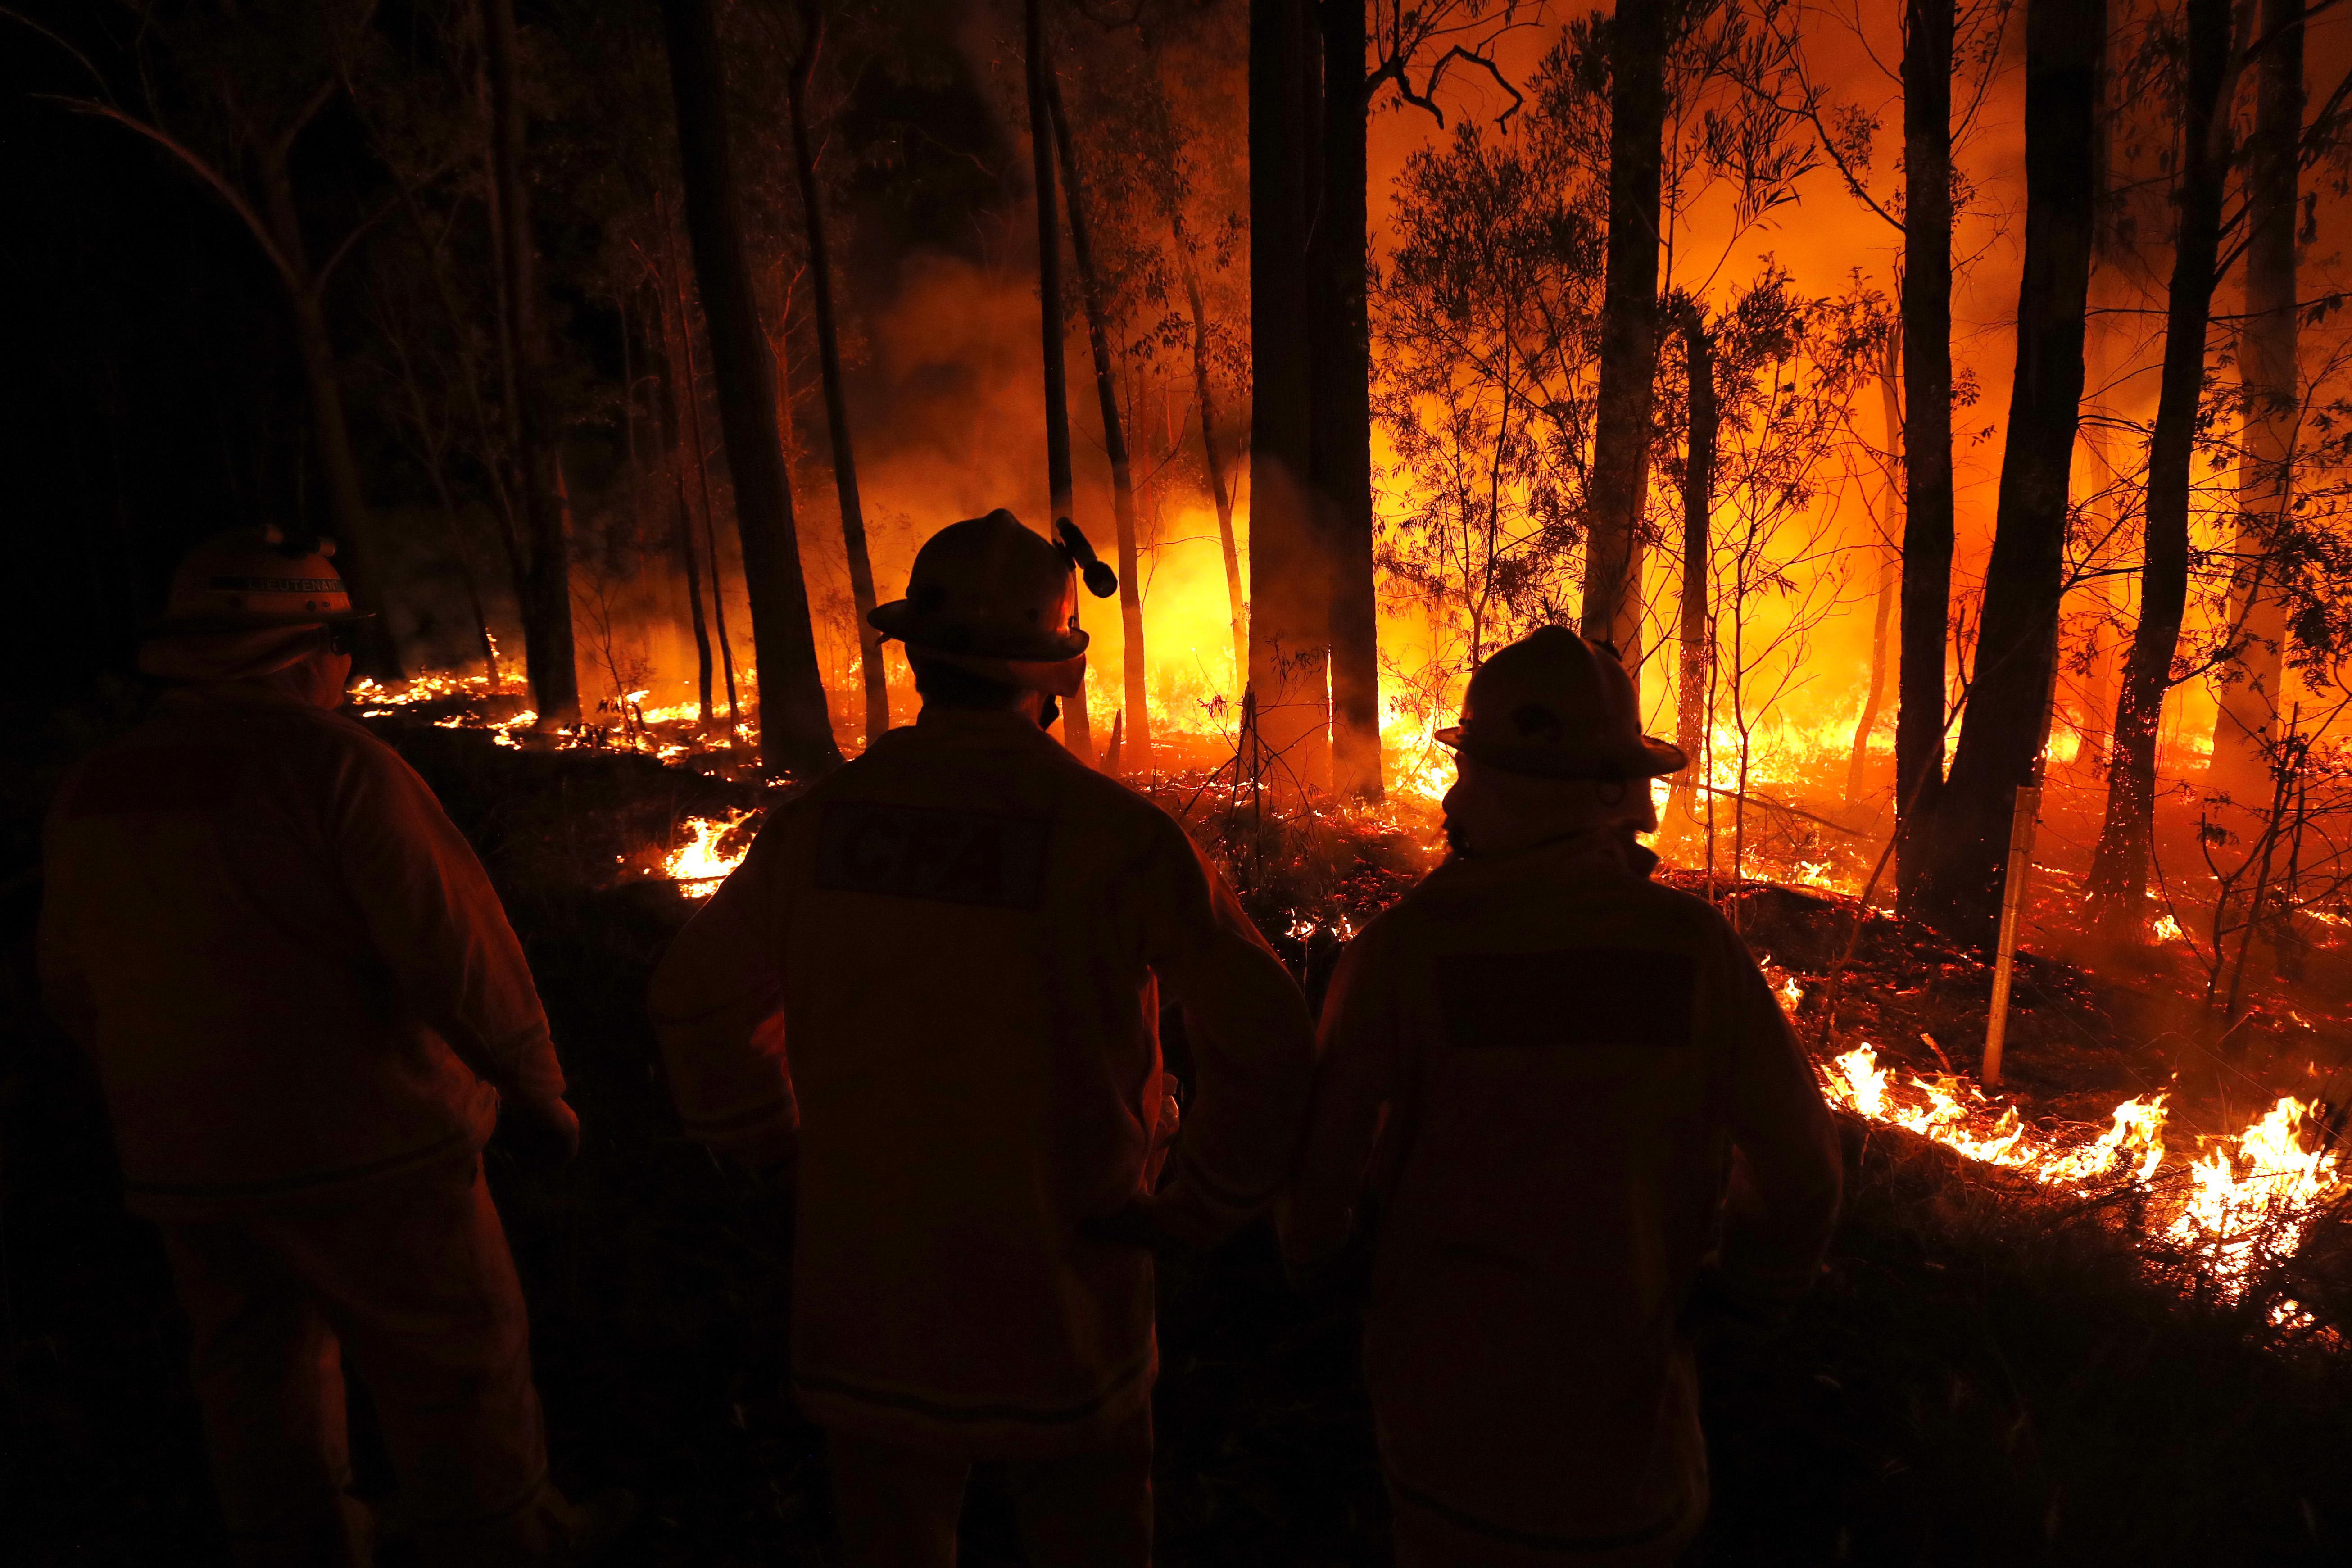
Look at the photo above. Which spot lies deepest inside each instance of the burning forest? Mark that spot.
(1795, 555)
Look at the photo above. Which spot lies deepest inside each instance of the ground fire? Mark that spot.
(1215, 781)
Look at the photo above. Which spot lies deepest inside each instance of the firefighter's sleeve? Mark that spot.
(436, 926)
(1253, 1045)
(1355, 1089)
(718, 1007)
(1787, 1168)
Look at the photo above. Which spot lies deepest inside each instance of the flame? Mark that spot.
(2253, 1195)
(702, 862)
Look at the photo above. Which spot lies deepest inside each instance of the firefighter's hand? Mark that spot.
(538, 1131)
(1137, 1224)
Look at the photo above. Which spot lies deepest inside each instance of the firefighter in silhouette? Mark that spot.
(1587, 1129)
(958, 943)
(307, 1012)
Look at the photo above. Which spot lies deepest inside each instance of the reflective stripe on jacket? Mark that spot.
(290, 968)
(1546, 1061)
(958, 939)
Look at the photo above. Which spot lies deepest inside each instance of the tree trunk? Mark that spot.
(1340, 459)
(795, 730)
(836, 400)
(1698, 502)
(1919, 700)
(1219, 490)
(1133, 753)
(673, 427)
(359, 556)
(2248, 722)
(548, 647)
(689, 394)
(1629, 332)
(2003, 731)
(1890, 574)
(2119, 867)
(1290, 577)
(1077, 730)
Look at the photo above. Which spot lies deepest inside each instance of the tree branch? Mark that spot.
(204, 171)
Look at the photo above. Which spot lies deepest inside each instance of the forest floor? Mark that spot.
(1987, 1374)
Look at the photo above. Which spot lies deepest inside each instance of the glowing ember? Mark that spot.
(703, 861)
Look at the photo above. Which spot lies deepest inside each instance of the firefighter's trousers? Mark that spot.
(416, 1285)
(897, 1506)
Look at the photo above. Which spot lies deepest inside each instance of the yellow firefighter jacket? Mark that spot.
(1547, 1062)
(292, 973)
(959, 940)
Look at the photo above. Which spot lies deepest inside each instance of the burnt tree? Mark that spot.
(1077, 731)
(1638, 39)
(671, 417)
(1134, 749)
(1287, 700)
(1695, 674)
(795, 730)
(2247, 724)
(548, 645)
(836, 400)
(1926, 439)
(1890, 571)
(2002, 731)
(2119, 868)
(1340, 440)
(1212, 458)
(252, 175)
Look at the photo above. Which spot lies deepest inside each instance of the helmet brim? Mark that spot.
(1652, 759)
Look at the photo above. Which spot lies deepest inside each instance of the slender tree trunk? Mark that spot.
(2248, 723)
(1629, 331)
(673, 427)
(1290, 575)
(689, 394)
(1692, 677)
(1135, 751)
(2119, 867)
(1219, 490)
(1077, 730)
(1341, 456)
(2006, 725)
(546, 627)
(359, 553)
(836, 398)
(1919, 712)
(1890, 572)
(796, 729)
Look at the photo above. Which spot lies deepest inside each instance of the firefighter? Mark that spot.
(959, 941)
(307, 1012)
(1586, 1128)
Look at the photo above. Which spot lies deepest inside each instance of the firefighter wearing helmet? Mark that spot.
(1586, 1128)
(306, 1012)
(934, 987)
